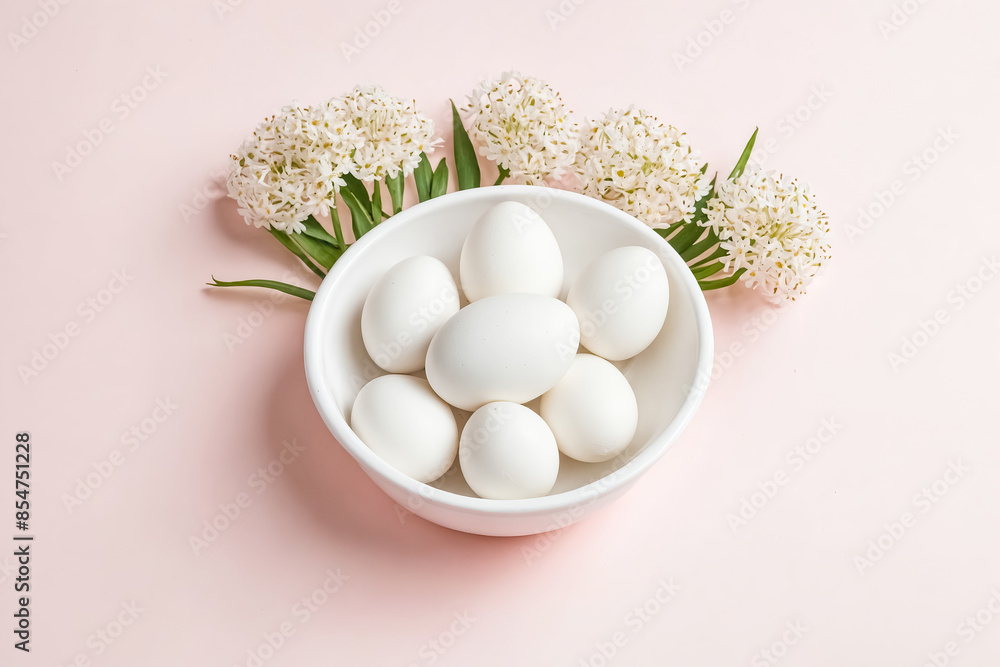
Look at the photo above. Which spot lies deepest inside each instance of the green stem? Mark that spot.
(315, 230)
(719, 252)
(395, 186)
(707, 271)
(289, 242)
(293, 290)
(697, 249)
(665, 232)
(504, 173)
(361, 215)
(337, 231)
(312, 265)
(685, 238)
(724, 282)
(377, 212)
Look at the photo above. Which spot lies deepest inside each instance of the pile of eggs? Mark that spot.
(514, 342)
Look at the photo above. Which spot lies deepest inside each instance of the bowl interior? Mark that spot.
(663, 376)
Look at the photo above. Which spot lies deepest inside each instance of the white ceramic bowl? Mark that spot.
(669, 378)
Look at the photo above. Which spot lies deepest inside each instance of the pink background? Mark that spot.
(846, 550)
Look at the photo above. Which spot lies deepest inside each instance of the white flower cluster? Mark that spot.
(295, 162)
(521, 123)
(292, 166)
(394, 132)
(770, 226)
(641, 166)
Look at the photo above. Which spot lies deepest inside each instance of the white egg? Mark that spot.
(621, 299)
(592, 410)
(404, 310)
(507, 452)
(510, 249)
(509, 347)
(402, 420)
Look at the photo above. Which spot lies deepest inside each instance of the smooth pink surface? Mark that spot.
(880, 98)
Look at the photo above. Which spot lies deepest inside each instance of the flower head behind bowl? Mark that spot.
(395, 132)
(521, 123)
(632, 161)
(292, 165)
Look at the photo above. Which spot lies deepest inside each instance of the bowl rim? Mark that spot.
(618, 478)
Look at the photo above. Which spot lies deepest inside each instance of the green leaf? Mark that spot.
(422, 176)
(504, 173)
(287, 241)
(719, 252)
(321, 251)
(300, 292)
(315, 229)
(696, 250)
(377, 202)
(742, 162)
(361, 216)
(706, 285)
(466, 162)
(357, 188)
(708, 271)
(665, 232)
(395, 186)
(336, 226)
(439, 184)
(686, 237)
